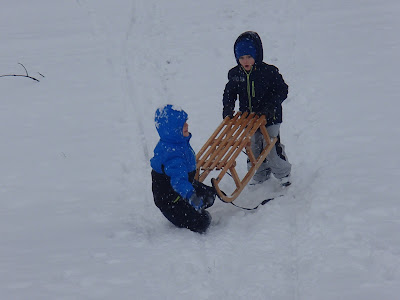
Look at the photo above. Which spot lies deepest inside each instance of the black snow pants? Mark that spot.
(177, 210)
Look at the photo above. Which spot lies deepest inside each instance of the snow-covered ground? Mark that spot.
(77, 219)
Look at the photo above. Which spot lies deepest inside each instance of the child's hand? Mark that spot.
(196, 201)
(209, 201)
(207, 193)
(227, 113)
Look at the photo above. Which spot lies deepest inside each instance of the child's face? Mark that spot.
(185, 130)
(247, 62)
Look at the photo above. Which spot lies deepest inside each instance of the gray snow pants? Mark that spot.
(276, 161)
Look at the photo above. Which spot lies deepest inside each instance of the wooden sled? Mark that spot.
(225, 145)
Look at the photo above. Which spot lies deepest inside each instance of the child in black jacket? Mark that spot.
(261, 89)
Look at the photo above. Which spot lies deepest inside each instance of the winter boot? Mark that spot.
(285, 181)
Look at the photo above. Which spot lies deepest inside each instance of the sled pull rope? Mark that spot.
(265, 201)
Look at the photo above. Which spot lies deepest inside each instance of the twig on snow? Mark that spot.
(27, 75)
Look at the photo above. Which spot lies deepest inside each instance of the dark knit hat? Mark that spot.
(245, 47)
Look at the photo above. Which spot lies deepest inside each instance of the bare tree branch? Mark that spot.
(26, 71)
(27, 75)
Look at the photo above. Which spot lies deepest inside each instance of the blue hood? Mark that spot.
(169, 122)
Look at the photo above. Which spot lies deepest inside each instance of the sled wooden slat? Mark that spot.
(223, 143)
(221, 150)
(212, 139)
(220, 158)
(239, 140)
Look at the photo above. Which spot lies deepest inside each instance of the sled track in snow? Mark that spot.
(131, 82)
(128, 62)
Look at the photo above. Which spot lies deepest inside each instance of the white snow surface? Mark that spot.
(77, 218)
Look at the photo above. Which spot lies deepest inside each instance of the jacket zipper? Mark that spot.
(249, 91)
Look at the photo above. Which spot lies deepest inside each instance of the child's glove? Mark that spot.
(208, 193)
(209, 201)
(227, 113)
(196, 201)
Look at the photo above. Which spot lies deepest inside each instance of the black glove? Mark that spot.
(209, 201)
(227, 113)
(207, 192)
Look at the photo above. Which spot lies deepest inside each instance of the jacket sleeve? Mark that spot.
(230, 96)
(176, 169)
(279, 87)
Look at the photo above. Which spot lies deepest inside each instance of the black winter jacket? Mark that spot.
(262, 90)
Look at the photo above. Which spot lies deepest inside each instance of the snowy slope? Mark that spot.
(77, 219)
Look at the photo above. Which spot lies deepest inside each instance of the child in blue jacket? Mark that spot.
(180, 198)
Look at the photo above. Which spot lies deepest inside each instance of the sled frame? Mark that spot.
(224, 146)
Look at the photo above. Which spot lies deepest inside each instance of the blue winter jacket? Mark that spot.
(173, 154)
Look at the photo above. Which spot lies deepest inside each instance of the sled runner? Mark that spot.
(224, 146)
